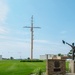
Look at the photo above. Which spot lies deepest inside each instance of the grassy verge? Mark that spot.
(67, 66)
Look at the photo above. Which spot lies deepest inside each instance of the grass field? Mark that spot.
(15, 67)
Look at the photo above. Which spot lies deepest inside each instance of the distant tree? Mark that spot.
(11, 58)
(69, 53)
(60, 54)
(28, 58)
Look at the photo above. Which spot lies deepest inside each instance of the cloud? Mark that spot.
(3, 10)
(63, 32)
(41, 41)
(3, 30)
(22, 33)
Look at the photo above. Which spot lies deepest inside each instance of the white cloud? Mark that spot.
(3, 30)
(3, 10)
(40, 46)
(3, 16)
(41, 41)
(22, 32)
(63, 32)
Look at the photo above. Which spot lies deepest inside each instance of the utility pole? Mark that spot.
(31, 27)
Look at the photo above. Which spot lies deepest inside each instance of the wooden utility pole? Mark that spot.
(31, 27)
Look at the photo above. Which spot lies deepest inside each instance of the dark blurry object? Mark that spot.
(73, 49)
(63, 41)
(73, 44)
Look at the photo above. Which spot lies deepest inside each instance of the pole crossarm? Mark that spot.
(30, 27)
(26, 27)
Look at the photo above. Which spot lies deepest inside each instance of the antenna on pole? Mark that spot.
(31, 27)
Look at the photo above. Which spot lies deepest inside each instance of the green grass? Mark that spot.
(15, 67)
(67, 66)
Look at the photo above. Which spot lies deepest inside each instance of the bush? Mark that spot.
(29, 60)
(38, 72)
(11, 58)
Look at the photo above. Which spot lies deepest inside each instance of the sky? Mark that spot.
(55, 17)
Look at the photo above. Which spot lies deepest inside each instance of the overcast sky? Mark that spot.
(55, 17)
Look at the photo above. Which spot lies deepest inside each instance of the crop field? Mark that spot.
(15, 67)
